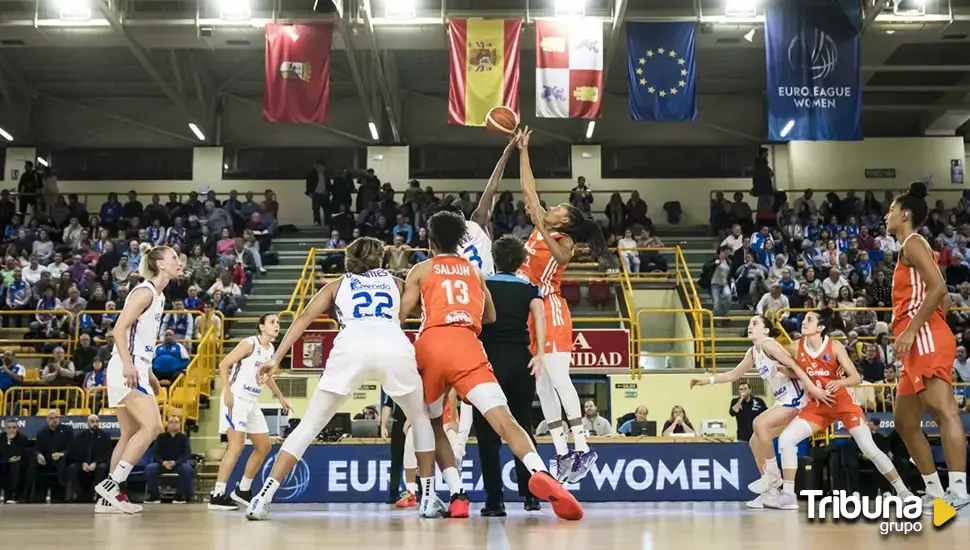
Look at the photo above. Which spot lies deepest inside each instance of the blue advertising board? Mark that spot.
(624, 472)
(30, 425)
(888, 424)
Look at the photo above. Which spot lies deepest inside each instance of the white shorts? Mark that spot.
(371, 353)
(245, 416)
(790, 396)
(117, 390)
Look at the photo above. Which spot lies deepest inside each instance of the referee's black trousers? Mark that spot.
(397, 454)
(511, 365)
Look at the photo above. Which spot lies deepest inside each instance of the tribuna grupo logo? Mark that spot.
(893, 514)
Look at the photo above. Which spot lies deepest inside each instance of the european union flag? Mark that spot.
(661, 64)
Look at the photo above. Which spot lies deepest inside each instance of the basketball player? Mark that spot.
(476, 247)
(551, 247)
(788, 385)
(927, 348)
(454, 302)
(828, 366)
(240, 415)
(370, 345)
(131, 384)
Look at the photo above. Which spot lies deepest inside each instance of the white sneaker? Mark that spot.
(928, 503)
(780, 501)
(431, 507)
(109, 491)
(755, 504)
(765, 483)
(958, 503)
(258, 509)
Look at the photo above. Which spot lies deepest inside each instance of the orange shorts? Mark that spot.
(931, 356)
(845, 410)
(451, 357)
(559, 326)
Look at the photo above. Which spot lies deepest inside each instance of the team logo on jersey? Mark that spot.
(458, 318)
(358, 284)
(826, 357)
(815, 371)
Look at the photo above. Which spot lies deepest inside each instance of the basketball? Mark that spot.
(501, 120)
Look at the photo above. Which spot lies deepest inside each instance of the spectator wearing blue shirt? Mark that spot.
(18, 299)
(171, 358)
(156, 233)
(11, 372)
(111, 212)
(333, 261)
(852, 227)
(12, 231)
(766, 254)
(403, 228)
(639, 415)
(181, 322)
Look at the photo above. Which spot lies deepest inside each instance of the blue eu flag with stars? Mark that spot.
(660, 58)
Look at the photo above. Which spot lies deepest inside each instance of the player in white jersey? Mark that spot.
(240, 415)
(476, 247)
(370, 345)
(788, 384)
(131, 384)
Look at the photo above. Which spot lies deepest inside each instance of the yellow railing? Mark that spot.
(185, 394)
(702, 345)
(15, 336)
(39, 399)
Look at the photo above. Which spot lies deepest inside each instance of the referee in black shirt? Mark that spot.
(506, 342)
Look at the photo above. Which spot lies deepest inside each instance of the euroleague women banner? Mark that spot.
(297, 72)
(814, 77)
(484, 70)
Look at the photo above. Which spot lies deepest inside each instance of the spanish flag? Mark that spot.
(484, 69)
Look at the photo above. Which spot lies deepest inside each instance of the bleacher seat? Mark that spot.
(79, 412)
(570, 292)
(600, 293)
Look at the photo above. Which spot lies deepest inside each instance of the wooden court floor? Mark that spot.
(620, 526)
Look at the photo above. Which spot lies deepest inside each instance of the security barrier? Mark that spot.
(28, 335)
(37, 400)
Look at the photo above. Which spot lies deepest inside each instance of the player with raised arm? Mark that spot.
(827, 364)
(131, 384)
(454, 302)
(927, 348)
(369, 346)
(240, 415)
(551, 247)
(788, 384)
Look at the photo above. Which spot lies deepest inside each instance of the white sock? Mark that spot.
(452, 480)
(934, 487)
(788, 487)
(771, 467)
(120, 475)
(534, 462)
(269, 489)
(427, 487)
(245, 484)
(220, 489)
(900, 486)
(559, 440)
(958, 484)
(413, 487)
(579, 438)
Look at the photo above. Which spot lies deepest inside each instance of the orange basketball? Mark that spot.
(501, 120)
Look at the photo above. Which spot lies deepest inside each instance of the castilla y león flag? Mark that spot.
(484, 69)
(297, 72)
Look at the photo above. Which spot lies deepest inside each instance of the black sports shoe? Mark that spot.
(241, 497)
(493, 510)
(221, 502)
(532, 504)
(153, 499)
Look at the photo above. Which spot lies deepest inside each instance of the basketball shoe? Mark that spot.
(564, 504)
(407, 500)
(459, 506)
(258, 509)
(780, 501)
(432, 507)
(564, 465)
(243, 498)
(767, 481)
(582, 463)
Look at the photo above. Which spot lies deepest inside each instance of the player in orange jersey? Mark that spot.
(828, 366)
(550, 249)
(927, 348)
(454, 303)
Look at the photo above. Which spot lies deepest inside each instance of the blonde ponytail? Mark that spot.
(150, 256)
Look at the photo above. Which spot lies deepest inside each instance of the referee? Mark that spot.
(506, 342)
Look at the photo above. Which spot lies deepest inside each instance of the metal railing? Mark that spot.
(185, 394)
(17, 336)
(35, 399)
